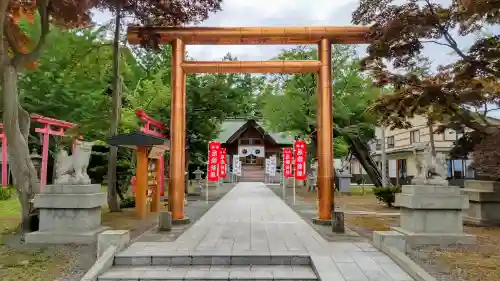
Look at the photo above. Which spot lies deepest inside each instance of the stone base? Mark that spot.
(318, 221)
(438, 239)
(389, 238)
(484, 202)
(183, 221)
(51, 237)
(338, 222)
(471, 221)
(165, 221)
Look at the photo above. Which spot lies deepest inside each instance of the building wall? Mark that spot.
(405, 139)
(252, 133)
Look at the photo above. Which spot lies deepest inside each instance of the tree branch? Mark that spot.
(436, 42)
(21, 59)
(4, 48)
(453, 44)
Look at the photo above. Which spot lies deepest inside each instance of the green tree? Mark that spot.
(166, 13)
(290, 101)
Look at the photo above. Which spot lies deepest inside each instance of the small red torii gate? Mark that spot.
(3, 137)
(154, 128)
(51, 126)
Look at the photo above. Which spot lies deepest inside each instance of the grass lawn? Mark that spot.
(477, 263)
(9, 214)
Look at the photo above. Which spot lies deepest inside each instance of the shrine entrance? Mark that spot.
(178, 37)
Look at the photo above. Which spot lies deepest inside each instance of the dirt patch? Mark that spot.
(480, 262)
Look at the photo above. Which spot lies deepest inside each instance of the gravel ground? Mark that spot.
(308, 211)
(78, 259)
(422, 256)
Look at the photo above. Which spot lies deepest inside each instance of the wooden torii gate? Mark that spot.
(179, 37)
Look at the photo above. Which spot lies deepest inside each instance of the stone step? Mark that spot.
(215, 259)
(209, 272)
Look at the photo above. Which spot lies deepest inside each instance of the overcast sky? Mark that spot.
(280, 13)
(290, 13)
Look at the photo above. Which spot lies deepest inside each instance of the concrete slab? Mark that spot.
(251, 226)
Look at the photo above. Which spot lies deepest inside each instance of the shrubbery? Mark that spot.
(6, 193)
(387, 194)
(128, 202)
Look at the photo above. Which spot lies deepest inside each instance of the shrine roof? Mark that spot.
(230, 127)
(137, 139)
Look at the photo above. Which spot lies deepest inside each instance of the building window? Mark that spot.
(415, 136)
(402, 169)
(251, 159)
(390, 142)
(378, 145)
(460, 169)
(250, 141)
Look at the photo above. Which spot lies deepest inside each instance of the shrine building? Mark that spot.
(253, 144)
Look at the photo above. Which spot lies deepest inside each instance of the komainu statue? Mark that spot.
(431, 170)
(72, 169)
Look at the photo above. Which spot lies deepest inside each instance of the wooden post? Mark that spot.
(155, 197)
(325, 132)
(141, 186)
(177, 134)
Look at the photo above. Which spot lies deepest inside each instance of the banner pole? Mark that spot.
(294, 170)
(206, 181)
(283, 175)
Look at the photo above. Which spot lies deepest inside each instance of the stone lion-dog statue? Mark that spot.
(72, 169)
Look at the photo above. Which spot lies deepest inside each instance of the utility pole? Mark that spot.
(383, 156)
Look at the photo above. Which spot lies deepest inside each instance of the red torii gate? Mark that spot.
(155, 128)
(45, 132)
(51, 126)
(3, 137)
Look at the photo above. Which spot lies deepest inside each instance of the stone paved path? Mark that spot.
(252, 221)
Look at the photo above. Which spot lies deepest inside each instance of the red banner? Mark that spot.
(222, 163)
(300, 160)
(213, 161)
(287, 162)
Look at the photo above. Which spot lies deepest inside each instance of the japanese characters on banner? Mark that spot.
(287, 162)
(222, 163)
(237, 165)
(300, 160)
(267, 166)
(234, 171)
(272, 166)
(213, 161)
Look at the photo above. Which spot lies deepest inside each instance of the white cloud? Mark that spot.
(283, 13)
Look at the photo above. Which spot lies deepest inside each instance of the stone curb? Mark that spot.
(101, 265)
(413, 269)
(109, 243)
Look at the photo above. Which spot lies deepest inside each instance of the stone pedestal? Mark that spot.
(69, 214)
(484, 202)
(344, 183)
(432, 215)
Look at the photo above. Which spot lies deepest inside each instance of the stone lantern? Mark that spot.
(197, 176)
(36, 159)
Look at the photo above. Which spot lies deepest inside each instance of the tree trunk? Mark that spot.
(431, 139)
(113, 204)
(17, 125)
(362, 153)
(383, 157)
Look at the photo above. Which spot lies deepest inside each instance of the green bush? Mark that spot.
(387, 194)
(128, 202)
(6, 193)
